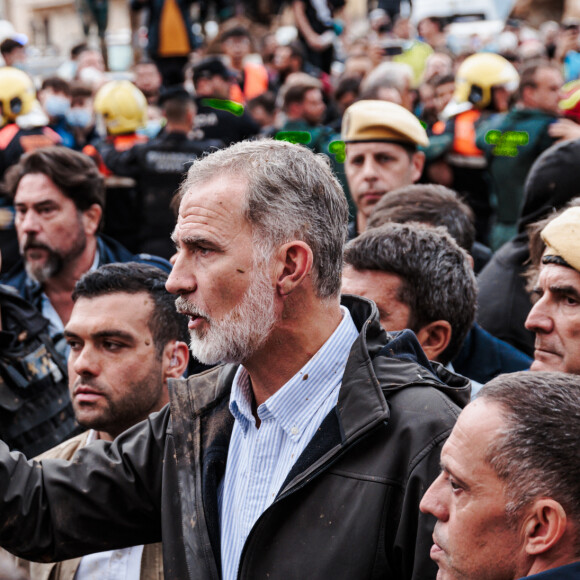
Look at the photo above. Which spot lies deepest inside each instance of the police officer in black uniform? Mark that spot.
(159, 166)
(35, 409)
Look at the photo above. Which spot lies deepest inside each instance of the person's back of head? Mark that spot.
(263, 108)
(431, 204)
(178, 108)
(388, 75)
(437, 281)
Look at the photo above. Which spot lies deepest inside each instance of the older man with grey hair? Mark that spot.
(305, 456)
(555, 316)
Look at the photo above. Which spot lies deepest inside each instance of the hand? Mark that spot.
(320, 42)
(564, 129)
(566, 42)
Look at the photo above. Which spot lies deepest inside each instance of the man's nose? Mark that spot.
(85, 361)
(29, 222)
(539, 319)
(181, 279)
(434, 500)
(369, 169)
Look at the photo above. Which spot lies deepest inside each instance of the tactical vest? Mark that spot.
(35, 409)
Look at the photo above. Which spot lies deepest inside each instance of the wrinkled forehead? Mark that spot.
(217, 205)
(225, 191)
(558, 276)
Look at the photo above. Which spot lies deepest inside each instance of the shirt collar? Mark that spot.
(295, 403)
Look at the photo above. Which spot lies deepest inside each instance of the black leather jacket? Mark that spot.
(348, 509)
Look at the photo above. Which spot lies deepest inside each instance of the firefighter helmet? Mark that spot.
(17, 94)
(478, 74)
(122, 106)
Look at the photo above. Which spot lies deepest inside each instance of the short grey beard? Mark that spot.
(242, 331)
(41, 273)
(56, 261)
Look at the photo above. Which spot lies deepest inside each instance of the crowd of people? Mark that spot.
(293, 306)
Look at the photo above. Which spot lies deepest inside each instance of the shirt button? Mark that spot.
(294, 431)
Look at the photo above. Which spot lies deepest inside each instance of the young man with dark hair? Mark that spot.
(420, 279)
(126, 341)
(482, 356)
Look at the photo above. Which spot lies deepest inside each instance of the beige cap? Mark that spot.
(562, 237)
(382, 121)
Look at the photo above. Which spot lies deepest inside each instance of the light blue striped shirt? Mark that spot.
(259, 460)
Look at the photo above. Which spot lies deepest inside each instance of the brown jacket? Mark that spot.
(151, 561)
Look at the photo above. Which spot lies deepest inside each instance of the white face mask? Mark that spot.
(56, 106)
(80, 117)
(151, 129)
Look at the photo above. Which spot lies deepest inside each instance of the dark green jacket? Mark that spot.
(511, 143)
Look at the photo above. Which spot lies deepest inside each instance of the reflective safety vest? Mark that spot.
(255, 83)
(464, 134)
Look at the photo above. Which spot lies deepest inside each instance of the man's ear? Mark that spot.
(544, 527)
(418, 162)
(294, 263)
(92, 218)
(434, 338)
(175, 359)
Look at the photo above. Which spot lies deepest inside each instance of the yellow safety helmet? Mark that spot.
(17, 93)
(122, 106)
(478, 74)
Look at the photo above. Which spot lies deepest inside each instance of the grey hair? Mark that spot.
(397, 75)
(536, 453)
(437, 281)
(291, 194)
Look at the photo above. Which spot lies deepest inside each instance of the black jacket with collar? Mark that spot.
(349, 508)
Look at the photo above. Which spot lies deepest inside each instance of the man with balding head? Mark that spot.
(506, 500)
(382, 153)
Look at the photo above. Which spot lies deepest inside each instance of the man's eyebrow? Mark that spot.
(445, 468)
(196, 241)
(567, 290)
(38, 204)
(102, 334)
